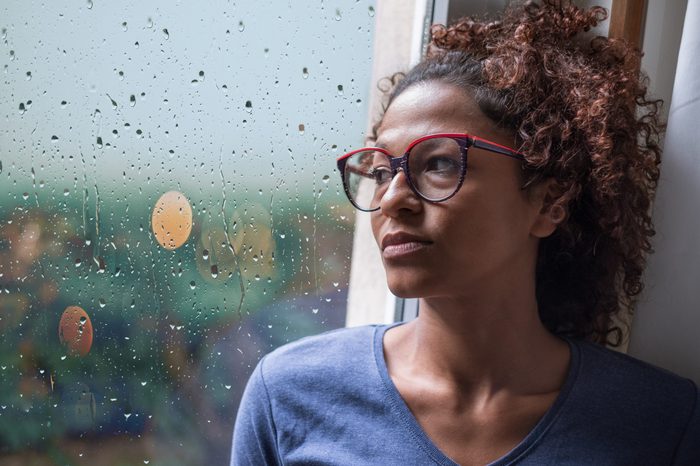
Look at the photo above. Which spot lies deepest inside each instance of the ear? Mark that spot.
(550, 206)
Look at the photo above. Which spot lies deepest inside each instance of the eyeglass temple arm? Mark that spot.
(481, 144)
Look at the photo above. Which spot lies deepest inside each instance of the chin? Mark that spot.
(409, 287)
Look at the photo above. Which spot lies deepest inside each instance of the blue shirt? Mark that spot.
(328, 399)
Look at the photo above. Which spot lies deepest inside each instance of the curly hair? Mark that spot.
(580, 113)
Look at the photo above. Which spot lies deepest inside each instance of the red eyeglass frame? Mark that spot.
(464, 140)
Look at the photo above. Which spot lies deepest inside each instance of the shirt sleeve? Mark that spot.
(254, 433)
(688, 451)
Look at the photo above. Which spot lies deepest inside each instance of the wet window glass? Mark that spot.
(169, 213)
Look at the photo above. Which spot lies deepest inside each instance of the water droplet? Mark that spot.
(127, 415)
(99, 142)
(102, 302)
(54, 138)
(78, 262)
(143, 384)
(124, 28)
(63, 104)
(132, 100)
(325, 178)
(29, 75)
(371, 11)
(66, 191)
(241, 26)
(25, 196)
(214, 271)
(149, 23)
(166, 33)
(301, 128)
(305, 73)
(22, 108)
(283, 235)
(337, 15)
(89, 4)
(314, 310)
(193, 285)
(340, 88)
(205, 254)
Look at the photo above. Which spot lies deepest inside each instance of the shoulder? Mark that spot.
(624, 375)
(325, 356)
(624, 396)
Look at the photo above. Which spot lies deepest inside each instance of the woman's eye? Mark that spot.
(381, 175)
(441, 164)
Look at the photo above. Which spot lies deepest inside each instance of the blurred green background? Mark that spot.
(243, 109)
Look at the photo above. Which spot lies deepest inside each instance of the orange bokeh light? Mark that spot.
(75, 331)
(172, 220)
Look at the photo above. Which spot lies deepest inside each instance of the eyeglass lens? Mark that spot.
(434, 169)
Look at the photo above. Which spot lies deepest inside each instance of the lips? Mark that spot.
(400, 244)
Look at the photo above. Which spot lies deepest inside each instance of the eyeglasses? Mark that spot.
(435, 167)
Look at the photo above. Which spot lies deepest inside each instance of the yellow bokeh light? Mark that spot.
(172, 220)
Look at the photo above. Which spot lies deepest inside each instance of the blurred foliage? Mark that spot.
(173, 341)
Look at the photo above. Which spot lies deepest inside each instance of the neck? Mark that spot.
(484, 343)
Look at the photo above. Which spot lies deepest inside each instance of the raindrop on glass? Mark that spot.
(371, 11)
(305, 73)
(166, 33)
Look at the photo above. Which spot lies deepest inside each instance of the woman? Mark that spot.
(509, 185)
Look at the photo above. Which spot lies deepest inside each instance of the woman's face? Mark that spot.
(484, 236)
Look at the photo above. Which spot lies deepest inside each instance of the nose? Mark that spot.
(399, 197)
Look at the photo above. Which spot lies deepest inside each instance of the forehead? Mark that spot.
(428, 108)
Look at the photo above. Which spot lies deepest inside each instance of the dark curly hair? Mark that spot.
(579, 110)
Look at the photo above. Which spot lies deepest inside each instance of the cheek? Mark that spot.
(376, 221)
(487, 223)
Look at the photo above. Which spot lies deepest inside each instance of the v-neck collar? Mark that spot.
(421, 439)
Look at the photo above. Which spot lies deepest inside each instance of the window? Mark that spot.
(170, 212)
